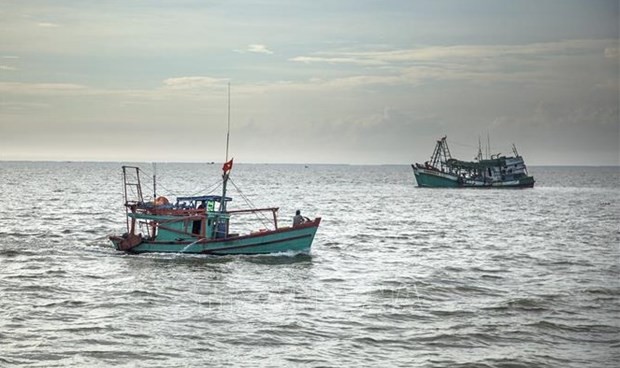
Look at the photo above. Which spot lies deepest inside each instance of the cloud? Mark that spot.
(460, 53)
(40, 88)
(47, 25)
(6, 67)
(336, 60)
(259, 49)
(612, 53)
(476, 63)
(23, 106)
(193, 82)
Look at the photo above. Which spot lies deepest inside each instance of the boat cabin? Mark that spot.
(188, 218)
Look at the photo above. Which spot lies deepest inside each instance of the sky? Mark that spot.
(322, 81)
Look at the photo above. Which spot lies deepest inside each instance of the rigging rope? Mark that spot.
(496, 149)
(208, 189)
(264, 220)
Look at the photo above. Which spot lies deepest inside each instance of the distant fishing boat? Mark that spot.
(202, 224)
(443, 171)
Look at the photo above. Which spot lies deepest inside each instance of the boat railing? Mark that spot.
(254, 210)
(195, 213)
(169, 211)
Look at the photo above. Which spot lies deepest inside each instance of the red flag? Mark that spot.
(227, 166)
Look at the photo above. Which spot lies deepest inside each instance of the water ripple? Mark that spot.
(398, 276)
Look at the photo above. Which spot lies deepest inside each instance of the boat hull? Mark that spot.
(428, 178)
(434, 179)
(292, 239)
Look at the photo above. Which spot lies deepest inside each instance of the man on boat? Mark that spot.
(298, 219)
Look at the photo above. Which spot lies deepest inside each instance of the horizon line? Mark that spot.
(274, 163)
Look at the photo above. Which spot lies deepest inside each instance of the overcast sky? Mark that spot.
(321, 81)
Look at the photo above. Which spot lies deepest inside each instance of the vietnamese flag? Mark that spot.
(227, 166)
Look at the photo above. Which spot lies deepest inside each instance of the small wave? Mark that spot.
(396, 237)
(400, 293)
(84, 329)
(123, 355)
(261, 340)
(55, 272)
(455, 340)
(509, 363)
(492, 277)
(527, 304)
(63, 303)
(602, 291)
(96, 342)
(594, 328)
(331, 244)
(488, 270)
(10, 253)
(16, 235)
(471, 289)
(144, 293)
(332, 279)
(452, 313)
(278, 258)
(12, 361)
(309, 362)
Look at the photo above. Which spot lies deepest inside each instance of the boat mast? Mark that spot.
(226, 172)
(228, 130)
(154, 182)
(514, 150)
(488, 146)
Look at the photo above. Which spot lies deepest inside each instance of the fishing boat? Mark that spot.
(495, 171)
(203, 224)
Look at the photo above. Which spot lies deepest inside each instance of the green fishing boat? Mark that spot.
(203, 225)
(443, 171)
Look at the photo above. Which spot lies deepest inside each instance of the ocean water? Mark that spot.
(398, 276)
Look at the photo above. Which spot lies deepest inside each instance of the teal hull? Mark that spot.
(436, 179)
(297, 240)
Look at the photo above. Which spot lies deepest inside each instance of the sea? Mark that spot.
(398, 276)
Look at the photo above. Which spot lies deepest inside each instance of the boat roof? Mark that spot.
(204, 198)
(477, 164)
